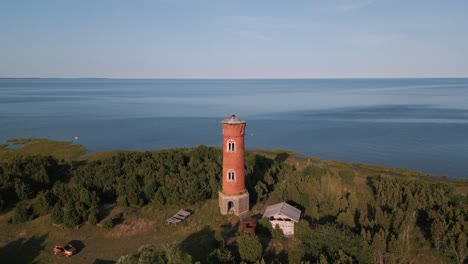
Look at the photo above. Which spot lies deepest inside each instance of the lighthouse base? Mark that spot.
(234, 204)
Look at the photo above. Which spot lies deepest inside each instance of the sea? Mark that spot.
(420, 124)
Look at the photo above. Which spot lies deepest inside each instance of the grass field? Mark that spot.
(62, 150)
(33, 241)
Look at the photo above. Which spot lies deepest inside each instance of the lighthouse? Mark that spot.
(233, 198)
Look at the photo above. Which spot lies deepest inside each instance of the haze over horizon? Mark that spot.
(234, 39)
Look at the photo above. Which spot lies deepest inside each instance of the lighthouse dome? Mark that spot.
(232, 120)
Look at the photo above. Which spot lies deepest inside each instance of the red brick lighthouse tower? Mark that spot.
(234, 198)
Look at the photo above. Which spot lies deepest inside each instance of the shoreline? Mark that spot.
(79, 152)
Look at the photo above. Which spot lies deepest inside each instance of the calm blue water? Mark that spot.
(421, 124)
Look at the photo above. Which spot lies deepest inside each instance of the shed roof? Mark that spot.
(232, 120)
(283, 209)
(178, 217)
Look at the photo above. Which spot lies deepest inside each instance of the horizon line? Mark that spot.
(230, 78)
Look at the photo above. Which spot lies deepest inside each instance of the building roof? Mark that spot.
(232, 120)
(283, 209)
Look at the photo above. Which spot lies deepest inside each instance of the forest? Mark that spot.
(350, 215)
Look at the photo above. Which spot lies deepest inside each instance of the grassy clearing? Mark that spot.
(59, 149)
(33, 241)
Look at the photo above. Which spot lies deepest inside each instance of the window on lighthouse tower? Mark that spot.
(231, 146)
(231, 175)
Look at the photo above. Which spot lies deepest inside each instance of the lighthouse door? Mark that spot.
(230, 207)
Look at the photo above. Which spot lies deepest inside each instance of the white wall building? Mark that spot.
(283, 215)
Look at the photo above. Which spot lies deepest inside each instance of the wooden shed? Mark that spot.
(249, 225)
(284, 216)
(178, 217)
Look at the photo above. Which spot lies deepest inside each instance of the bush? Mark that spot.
(92, 219)
(108, 223)
(313, 171)
(22, 213)
(222, 256)
(146, 254)
(22, 189)
(329, 240)
(57, 214)
(264, 227)
(174, 255)
(71, 217)
(115, 220)
(277, 233)
(42, 203)
(250, 248)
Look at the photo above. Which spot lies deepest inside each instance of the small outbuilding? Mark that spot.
(178, 217)
(249, 225)
(284, 216)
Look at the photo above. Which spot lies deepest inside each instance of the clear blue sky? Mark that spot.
(233, 38)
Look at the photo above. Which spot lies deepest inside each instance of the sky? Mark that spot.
(234, 38)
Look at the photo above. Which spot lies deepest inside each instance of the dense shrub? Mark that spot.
(93, 216)
(22, 213)
(221, 256)
(136, 178)
(146, 254)
(42, 204)
(56, 215)
(113, 221)
(250, 248)
(333, 242)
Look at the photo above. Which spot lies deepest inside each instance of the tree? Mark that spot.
(22, 189)
(145, 255)
(42, 203)
(322, 259)
(93, 215)
(397, 250)
(458, 246)
(379, 246)
(174, 255)
(438, 231)
(330, 239)
(343, 258)
(128, 259)
(22, 213)
(71, 216)
(218, 236)
(277, 233)
(346, 218)
(261, 190)
(221, 255)
(57, 214)
(250, 248)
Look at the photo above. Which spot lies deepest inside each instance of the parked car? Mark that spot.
(64, 250)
